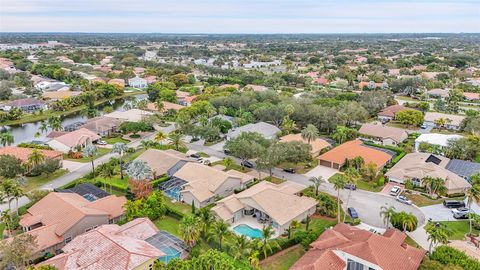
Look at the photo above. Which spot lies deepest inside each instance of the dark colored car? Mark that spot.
(453, 204)
(350, 186)
(195, 155)
(352, 212)
(226, 152)
(247, 164)
(289, 170)
(460, 215)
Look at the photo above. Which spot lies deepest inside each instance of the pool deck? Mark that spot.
(252, 222)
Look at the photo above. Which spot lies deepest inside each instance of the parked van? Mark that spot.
(453, 204)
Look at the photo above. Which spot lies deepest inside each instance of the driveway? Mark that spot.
(388, 186)
(71, 165)
(218, 147)
(437, 212)
(322, 171)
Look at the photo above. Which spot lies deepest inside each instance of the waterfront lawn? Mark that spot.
(168, 224)
(458, 229)
(37, 181)
(101, 151)
(283, 260)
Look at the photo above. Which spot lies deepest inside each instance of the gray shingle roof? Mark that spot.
(463, 167)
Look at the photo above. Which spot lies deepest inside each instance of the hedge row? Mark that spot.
(448, 255)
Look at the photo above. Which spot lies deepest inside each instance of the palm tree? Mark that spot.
(160, 137)
(434, 184)
(241, 246)
(7, 190)
(6, 138)
(473, 195)
(206, 218)
(253, 260)
(387, 213)
(120, 149)
(310, 133)
(338, 183)
(351, 176)
(159, 105)
(219, 231)
(436, 234)
(409, 222)
(6, 219)
(190, 230)
(35, 158)
(16, 193)
(43, 127)
(176, 140)
(228, 162)
(317, 181)
(340, 135)
(266, 246)
(55, 123)
(293, 226)
(90, 151)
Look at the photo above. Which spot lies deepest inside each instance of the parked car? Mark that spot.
(289, 170)
(100, 142)
(350, 186)
(404, 200)
(247, 164)
(226, 152)
(352, 212)
(395, 191)
(206, 162)
(423, 126)
(460, 215)
(453, 204)
(460, 210)
(195, 155)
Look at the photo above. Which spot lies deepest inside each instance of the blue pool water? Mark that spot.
(171, 254)
(173, 193)
(248, 231)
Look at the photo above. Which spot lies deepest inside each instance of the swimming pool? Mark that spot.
(248, 231)
(170, 253)
(173, 193)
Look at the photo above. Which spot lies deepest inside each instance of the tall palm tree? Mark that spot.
(90, 151)
(228, 162)
(43, 127)
(7, 187)
(160, 137)
(293, 226)
(16, 193)
(55, 123)
(266, 246)
(6, 138)
(176, 140)
(338, 183)
(241, 247)
(206, 219)
(253, 260)
(6, 218)
(317, 181)
(310, 133)
(434, 184)
(120, 149)
(35, 158)
(387, 213)
(190, 230)
(473, 195)
(351, 176)
(159, 105)
(436, 234)
(220, 230)
(409, 222)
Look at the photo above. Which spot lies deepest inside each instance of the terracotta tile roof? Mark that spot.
(354, 149)
(22, 153)
(390, 111)
(110, 247)
(77, 137)
(386, 251)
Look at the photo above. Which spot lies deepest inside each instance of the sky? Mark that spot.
(240, 16)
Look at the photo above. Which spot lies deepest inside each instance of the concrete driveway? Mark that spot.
(71, 165)
(388, 187)
(437, 212)
(322, 171)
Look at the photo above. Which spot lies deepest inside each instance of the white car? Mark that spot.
(404, 200)
(461, 210)
(395, 191)
(100, 142)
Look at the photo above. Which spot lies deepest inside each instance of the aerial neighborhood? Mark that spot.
(227, 152)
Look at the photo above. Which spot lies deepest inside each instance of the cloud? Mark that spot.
(247, 16)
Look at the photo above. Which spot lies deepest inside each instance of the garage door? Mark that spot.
(326, 163)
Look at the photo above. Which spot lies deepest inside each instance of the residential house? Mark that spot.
(464, 168)
(316, 145)
(58, 218)
(117, 82)
(452, 121)
(266, 203)
(29, 105)
(384, 135)
(438, 93)
(132, 115)
(337, 157)
(389, 112)
(268, 131)
(23, 153)
(166, 106)
(138, 82)
(164, 162)
(417, 166)
(102, 126)
(346, 247)
(255, 88)
(74, 140)
(471, 96)
(59, 95)
(436, 139)
(129, 246)
(200, 185)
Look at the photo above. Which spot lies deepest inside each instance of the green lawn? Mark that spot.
(458, 228)
(168, 224)
(179, 206)
(369, 186)
(283, 260)
(115, 140)
(115, 181)
(421, 200)
(234, 166)
(37, 181)
(101, 151)
(411, 242)
(2, 228)
(274, 180)
(301, 167)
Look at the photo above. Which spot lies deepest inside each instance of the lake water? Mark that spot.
(26, 132)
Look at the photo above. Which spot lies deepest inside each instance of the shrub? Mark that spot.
(409, 184)
(449, 255)
(34, 145)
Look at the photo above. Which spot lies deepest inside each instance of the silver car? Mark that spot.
(404, 200)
